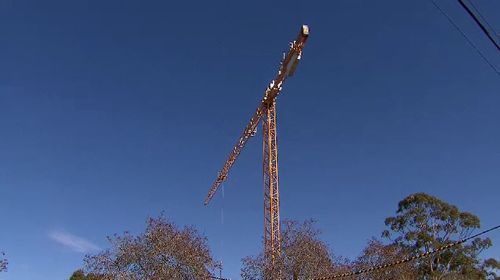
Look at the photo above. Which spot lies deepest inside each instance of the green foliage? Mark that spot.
(491, 267)
(80, 275)
(423, 223)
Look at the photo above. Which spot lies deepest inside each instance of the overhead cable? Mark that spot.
(405, 260)
(465, 36)
(479, 23)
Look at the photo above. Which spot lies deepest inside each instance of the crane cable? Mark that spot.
(222, 225)
(222, 239)
(408, 259)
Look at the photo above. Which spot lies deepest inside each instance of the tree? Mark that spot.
(163, 251)
(3, 262)
(80, 275)
(376, 253)
(492, 266)
(303, 256)
(424, 222)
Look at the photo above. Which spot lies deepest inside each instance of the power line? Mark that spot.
(408, 259)
(466, 38)
(483, 18)
(218, 278)
(398, 262)
(485, 31)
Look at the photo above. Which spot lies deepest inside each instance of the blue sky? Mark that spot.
(113, 111)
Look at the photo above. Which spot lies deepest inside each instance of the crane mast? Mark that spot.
(272, 226)
(266, 111)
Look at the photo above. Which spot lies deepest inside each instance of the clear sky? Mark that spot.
(113, 111)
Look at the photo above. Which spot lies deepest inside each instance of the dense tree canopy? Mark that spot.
(303, 256)
(423, 223)
(163, 251)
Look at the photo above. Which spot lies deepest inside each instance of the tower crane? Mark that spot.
(266, 111)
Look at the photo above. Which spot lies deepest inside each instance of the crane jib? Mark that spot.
(287, 69)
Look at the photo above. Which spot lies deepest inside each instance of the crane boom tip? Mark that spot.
(305, 30)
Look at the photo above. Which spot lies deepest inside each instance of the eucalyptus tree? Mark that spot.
(423, 223)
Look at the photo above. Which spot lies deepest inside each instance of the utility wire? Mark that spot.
(483, 19)
(485, 31)
(401, 261)
(466, 38)
(408, 259)
(218, 278)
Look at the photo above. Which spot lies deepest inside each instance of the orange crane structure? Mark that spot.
(266, 111)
